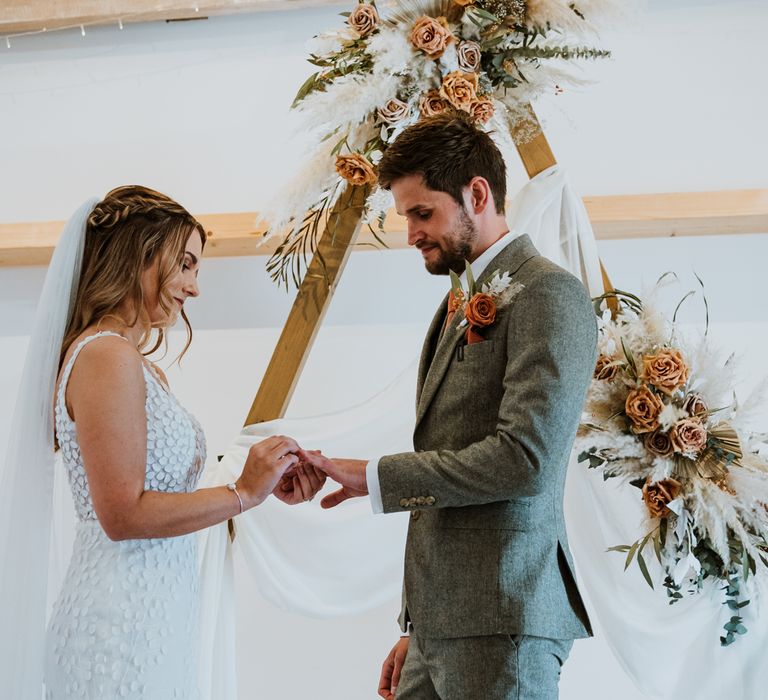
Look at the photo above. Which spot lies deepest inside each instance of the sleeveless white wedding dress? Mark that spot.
(125, 622)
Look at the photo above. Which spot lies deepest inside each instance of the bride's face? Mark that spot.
(181, 285)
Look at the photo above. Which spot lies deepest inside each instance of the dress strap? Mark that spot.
(68, 368)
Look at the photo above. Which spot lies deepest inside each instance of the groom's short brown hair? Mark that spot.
(447, 150)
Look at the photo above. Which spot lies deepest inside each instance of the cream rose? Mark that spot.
(432, 36)
(394, 111)
(460, 89)
(689, 436)
(469, 55)
(694, 405)
(356, 169)
(363, 19)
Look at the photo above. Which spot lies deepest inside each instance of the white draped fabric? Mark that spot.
(345, 561)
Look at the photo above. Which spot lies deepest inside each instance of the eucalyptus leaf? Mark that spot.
(644, 568)
(470, 279)
(630, 555)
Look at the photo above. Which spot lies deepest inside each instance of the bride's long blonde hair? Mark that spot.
(125, 233)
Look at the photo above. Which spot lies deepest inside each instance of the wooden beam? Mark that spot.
(613, 217)
(20, 16)
(309, 307)
(532, 145)
(679, 214)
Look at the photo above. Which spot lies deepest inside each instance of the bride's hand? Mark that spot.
(266, 464)
(299, 484)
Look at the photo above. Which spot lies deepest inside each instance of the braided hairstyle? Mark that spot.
(125, 233)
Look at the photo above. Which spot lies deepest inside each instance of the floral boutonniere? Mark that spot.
(480, 305)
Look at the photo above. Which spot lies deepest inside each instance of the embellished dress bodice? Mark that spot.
(124, 625)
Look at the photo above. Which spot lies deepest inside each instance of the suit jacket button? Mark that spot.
(415, 514)
(404, 502)
(420, 501)
(430, 500)
(412, 501)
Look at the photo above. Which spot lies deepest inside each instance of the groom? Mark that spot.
(489, 597)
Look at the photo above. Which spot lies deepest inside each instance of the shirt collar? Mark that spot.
(484, 259)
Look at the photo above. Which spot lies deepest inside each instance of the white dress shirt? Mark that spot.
(478, 268)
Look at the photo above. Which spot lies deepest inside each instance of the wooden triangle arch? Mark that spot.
(314, 295)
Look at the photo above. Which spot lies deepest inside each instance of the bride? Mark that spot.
(124, 623)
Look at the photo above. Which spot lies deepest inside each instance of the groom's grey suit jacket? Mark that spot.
(487, 551)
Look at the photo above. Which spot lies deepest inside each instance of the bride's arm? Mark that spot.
(106, 397)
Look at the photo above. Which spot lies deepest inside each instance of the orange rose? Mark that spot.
(460, 89)
(666, 370)
(480, 310)
(643, 408)
(689, 436)
(464, 3)
(431, 36)
(363, 19)
(606, 368)
(659, 495)
(432, 104)
(481, 110)
(356, 169)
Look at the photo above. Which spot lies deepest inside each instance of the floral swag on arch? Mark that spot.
(385, 70)
(662, 415)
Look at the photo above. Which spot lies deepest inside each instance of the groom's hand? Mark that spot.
(350, 473)
(391, 669)
(299, 483)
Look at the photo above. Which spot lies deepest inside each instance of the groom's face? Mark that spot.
(437, 225)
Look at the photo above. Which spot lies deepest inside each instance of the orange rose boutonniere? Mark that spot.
(481, 305)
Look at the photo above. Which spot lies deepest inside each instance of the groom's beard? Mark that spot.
(455, 248)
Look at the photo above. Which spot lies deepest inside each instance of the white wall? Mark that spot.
(197, 109)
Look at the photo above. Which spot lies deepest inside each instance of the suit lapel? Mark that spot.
(437, 352)
(428, 349)
(435, 371)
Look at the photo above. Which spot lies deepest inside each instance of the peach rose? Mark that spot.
(643, 408)
(694, 405)
(464, 3)
(482, 110)
(659, 444)
(659, 495)
(460, 89)
(480, 310)
(469, 54)
(689, 436)
(432, 36)
(363, 19)
(356, 169)
(432, 104)
(605, 368)
(666, 370)
(394, 111)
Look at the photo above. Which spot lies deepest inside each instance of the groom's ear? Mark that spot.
(479, 195)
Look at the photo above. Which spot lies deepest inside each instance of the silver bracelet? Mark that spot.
(233, 489)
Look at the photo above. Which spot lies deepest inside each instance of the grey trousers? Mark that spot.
(497, 667)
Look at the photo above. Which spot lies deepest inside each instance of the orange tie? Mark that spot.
(453, 307)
